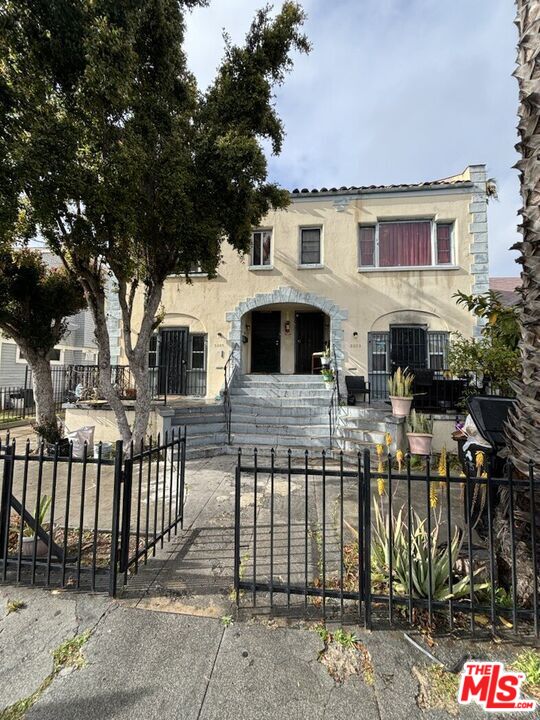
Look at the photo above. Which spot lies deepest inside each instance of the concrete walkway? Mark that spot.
(141, 665)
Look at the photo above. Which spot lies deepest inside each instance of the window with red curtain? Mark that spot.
(444, 243)
(367, 246)
(405, 244)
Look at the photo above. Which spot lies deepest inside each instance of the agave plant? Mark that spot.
(419, 423)
(44, 505)
(424, 546)
(400, 384)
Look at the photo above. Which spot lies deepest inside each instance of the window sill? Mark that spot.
(314, 266)
(409, 268)
(258, 268)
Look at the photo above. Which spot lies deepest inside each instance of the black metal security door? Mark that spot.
(309, 339)
(408, 347)
(173, 349)
(265, 342)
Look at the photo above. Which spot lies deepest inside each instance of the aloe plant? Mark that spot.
(419, 423)
(44, 505)
(400, 384)
(423, 547)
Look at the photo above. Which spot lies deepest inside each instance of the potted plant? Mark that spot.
(29, 534)
(400, 392)
(419, 433)
(327, 376)
(325, 357)
(50, 434)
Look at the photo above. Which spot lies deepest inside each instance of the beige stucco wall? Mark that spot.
(104, 422)
(371, 299)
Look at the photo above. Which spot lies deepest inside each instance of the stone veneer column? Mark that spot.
(114, 320)
(479, 231)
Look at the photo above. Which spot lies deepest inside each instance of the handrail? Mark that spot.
(335, 401)
(227, 407)
(336, 372)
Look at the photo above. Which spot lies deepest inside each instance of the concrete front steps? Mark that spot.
(360, 428)
(281, 412)
(205, 428)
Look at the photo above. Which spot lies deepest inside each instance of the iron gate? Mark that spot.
(79, 522)
(384, 539)
(292, 545)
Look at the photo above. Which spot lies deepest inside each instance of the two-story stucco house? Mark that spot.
(369, 270)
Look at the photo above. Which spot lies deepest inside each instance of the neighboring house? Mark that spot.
(507, 287)
(369, 270)
(78, 345)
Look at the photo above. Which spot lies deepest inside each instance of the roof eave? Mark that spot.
(463, 185)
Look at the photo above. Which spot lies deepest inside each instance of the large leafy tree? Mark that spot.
(130, 170)
(35, 302)
(524, 426)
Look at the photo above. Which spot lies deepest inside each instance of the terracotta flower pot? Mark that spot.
(420, 443)
(401, 406)
(28, 548)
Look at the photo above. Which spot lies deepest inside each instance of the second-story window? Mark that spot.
(261, 251)
(405, 244)
(367, 245)
(310, 246)
(444, 243)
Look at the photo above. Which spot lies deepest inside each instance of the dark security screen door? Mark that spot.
(309, 339)
(265, 342)
(172, 361)
(408, 347)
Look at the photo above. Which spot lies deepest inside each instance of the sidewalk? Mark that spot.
(142, 665)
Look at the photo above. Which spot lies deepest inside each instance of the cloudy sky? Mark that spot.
(393, 91)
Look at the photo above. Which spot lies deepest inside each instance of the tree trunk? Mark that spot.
(46, 420)
(139, 368)
(138, 355)
(96, 302)
(524, 426)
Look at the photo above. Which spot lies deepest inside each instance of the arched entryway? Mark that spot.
(290, 324)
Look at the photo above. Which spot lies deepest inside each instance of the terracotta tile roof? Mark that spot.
(506, 286)
(357, 189)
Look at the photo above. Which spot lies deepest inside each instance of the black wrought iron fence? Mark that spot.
(153, 499)
(86, 377)
(17, 400)
(71, 517)
(396, 539)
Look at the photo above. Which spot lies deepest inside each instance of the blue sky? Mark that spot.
(393, 91)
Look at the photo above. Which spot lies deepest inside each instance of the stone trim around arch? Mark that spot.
(288, 295)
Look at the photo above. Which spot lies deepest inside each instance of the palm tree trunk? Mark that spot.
(523, 427)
